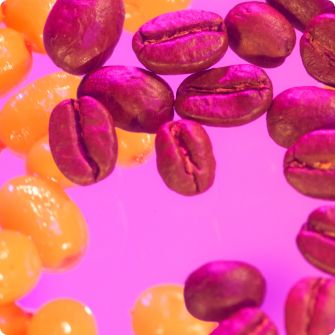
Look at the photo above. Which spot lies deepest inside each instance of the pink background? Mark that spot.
(142, 234)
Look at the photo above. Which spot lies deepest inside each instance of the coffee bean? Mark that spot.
(260, 34)
(309, 164)
(310, 307)
(317, 48)
(181, 42)
(82, 140)
(80, 35)
(184, 156)
(218, 289)
(300, 110)
(226, 96)
(316, 239)
(300, 12)
(246, 321)
(137, 99)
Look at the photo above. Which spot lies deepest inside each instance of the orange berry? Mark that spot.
(62, 317)
(15, 59)
(24, 119)
(40, 162)
(161, 310)
(20, 265)
(1, 15)
(14, 320)
(134, 148)
(28, 17)
(48, 216)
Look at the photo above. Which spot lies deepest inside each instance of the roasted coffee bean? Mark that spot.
(260, 34)
(181, 42)
(82, 140)
(316, 239)
(298, 111)
(309, 164)
(246, 321)
(80, 35)
(185, 158)
(310, 307)
(226, 96)
(218, 289)
(300, 12)
(137, 99)
(317, 48)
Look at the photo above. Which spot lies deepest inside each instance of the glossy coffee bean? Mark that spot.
(181, 42)
(218, 289)
(310, 307)
(225, 96)
(260, 34)
(309, 164)
(184, 157)
(246, 321)
(80, 35)
(298, 111)
(82, 140)
(137, 99)
(316, 239)
(317, 48)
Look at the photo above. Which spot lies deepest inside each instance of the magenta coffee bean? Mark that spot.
(260, 34)
(137, 99)
(82, 140)
(309, 164)
(80, 35)
(226, 96)
(300, 12)
(184, 157)
(310, 307)
(316, 239)
(317, 48)
(300, 110)
(218, 289)
(181, 42)
(246, 321)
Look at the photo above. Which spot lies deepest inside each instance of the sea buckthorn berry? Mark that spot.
(14, 320)
(20, 265)
(48, 216)
(62, 317)
(24, 119)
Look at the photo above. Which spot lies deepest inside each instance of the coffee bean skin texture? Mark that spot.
(218, 289)
(137, 99)
(260, 34)
(184, 157)
(80, 35)
(181, 42)
(226, 96)
(82, 140)
(298, 111)
(310, 307)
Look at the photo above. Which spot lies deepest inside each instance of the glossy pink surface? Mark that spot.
(142, 234)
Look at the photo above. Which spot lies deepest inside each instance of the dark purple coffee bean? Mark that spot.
(218, 289)
(82, 140)
(80, 35)
(317, 48)
(298, 111)
(226, 96)
(184, 157)
(300, 12)
(309, 164)
(137, 99)
(260, 34)
(246, 321)
(181, 42)
(310, 307)
(316, 239)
